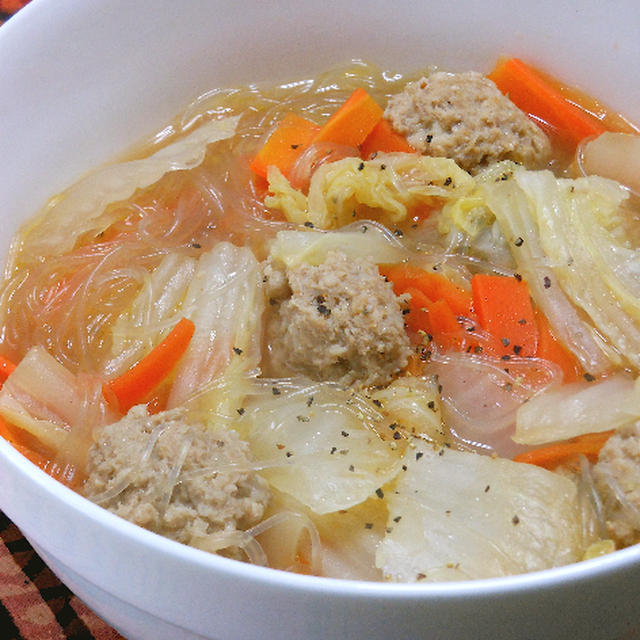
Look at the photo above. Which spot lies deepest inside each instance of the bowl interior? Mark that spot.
(81, 82)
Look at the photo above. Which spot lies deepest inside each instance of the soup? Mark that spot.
(365, 325)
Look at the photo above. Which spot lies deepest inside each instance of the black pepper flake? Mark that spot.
(518, 277)
(477, 349)
(507, 386)
(397, 435)
(588, 377)
(351, 468)
(368, 525)
(383, 167)
(429, 138)
(295, 146)
(421, 576)
(275, 391)
(393, 425)
(419, 455)
(333, 450)
(398, 233)
(196, 245)
(397, 519)
(345, 434)
(240, 411)
(515, 520)
(471, 329)
(361, 166)
(309, 401)
(288, 454)
(404, 467)
(380, 493)
(519, 241)
(522, 321)
(220, 443)
(237, 350)
(364, 228)
(323, 310)
(517, 349)
(388, 530)
(546, 282)
(377, 402)
(486, 489)
(432, 405)
(406, 311)
(505, 341)
(441, 452)
(448, 181)
(506, 357)
(309, 224)
(320, 299)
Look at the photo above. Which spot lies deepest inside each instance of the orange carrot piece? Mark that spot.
(553, 455)
(285, 145)
(6, 369)
(529, 91)
(435, 318)
(383, 138)
(434, 285)
(135, 385)
(503, 307)
(353, 121)
(550, 348)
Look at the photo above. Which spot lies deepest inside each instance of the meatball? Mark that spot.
(341, 322)
(168, 475)
(617, 477)
(464, 116)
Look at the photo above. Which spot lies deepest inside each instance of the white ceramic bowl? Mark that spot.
(79, 82)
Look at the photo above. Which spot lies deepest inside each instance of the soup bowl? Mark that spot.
(80, 82)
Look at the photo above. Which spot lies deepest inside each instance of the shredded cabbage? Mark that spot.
(391, 184)
(455, 515)
(83, 207)
(559, 413)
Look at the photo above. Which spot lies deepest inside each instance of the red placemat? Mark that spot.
(34, 604)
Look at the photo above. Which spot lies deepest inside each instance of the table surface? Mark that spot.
(34, 604)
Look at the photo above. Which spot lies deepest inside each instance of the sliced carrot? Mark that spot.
(529, 91)
(285, 145)
(353, 121)
(434, 285)
(135, 385)
(383, 138)
(550, 348)
(558, 453)
(504, 310)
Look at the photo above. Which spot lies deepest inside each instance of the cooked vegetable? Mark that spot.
(83, 208)
(353, 121)
(581, 407)
(318, 442)
(550, 348)
(285, 145)
(531, 93)
(504, 310)
(455, 515)
(562, 453)
(613, 155)
(383, 139)
(134, 386)
(388, 186)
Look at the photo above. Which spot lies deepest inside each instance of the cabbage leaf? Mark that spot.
(390, 184)
(563, 412)
(83, 207)
(318, 442)
(456, 515)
